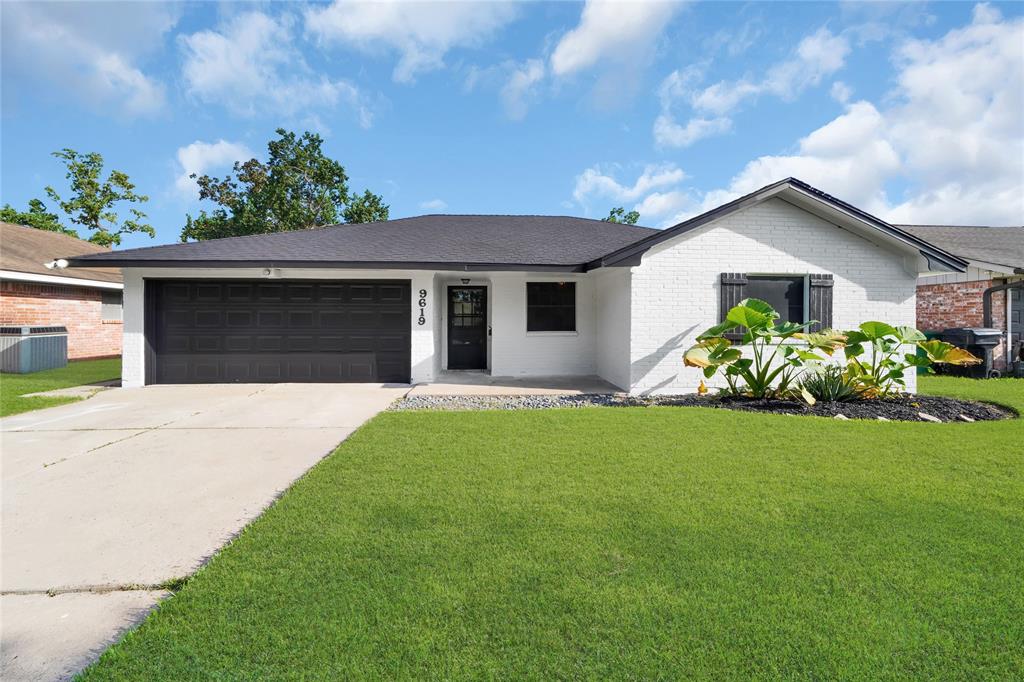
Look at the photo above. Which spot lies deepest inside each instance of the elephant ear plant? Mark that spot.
(876, 359)
(772, 365)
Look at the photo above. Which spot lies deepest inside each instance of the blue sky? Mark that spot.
(912, 111)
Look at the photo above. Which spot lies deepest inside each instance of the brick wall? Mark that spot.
(676, 288)
(77, 308)
(959, 304)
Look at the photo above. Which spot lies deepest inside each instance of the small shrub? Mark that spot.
(831, 383)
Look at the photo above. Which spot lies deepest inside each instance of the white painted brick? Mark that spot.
(675, 294)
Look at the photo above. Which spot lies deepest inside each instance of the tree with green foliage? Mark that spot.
(298, 188)
(619, 215)
(91, 202)
(37, 216)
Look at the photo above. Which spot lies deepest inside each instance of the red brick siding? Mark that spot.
(77, 308)
(959, 304)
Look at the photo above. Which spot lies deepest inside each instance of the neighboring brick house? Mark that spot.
(995, 256)
(85, 300)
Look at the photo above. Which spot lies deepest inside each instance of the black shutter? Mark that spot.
(820, 299)
(733, 286)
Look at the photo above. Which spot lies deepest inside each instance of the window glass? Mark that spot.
(551, 306)
(785, 294)
(110, 309)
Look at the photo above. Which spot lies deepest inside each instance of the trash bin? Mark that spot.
(32, 349)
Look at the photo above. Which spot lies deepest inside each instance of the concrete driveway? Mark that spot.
(106, 499)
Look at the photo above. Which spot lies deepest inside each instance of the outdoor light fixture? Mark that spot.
(465, 281)
(271, 273)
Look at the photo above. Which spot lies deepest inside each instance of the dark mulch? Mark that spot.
(903, 408)
(900, 408)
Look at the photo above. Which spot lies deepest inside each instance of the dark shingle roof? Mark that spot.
(26, 249)
(454, 240)
(997, 245)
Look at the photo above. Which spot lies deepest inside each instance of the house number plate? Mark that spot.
(422, 320)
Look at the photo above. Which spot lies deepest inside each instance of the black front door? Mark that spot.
(467, 328)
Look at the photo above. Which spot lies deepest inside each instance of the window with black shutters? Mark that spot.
(551, 306)
(785, 294)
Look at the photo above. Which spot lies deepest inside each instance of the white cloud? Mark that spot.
(660, 207)
(841, 92)
(654, 193)
(250, 64)
(668, 133)
(421, 32)
(952, 132)
(611, 30)
(618, 36)
(816, 56)
(201, 157)
(90, 50)
(433, 205)
(521, 86)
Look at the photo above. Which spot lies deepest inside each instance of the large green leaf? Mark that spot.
(711, 353)
(909, 335)
(853, 350)
(760, 306)
(827, 340)
(877, 330)
(784, 330)
(947, 353)
(749, 317)
(855, 337)
(717, 330)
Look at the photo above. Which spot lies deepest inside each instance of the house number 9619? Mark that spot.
(422, 320)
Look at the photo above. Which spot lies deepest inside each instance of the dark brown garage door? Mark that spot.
(273, 331)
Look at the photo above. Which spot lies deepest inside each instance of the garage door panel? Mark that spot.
(238, 344)
(239, 292)
(301, 318)
(206, 344)
(209, 293)
(269, 344)
(238, 318)
(270, 293)
(301, 331)
(393, 319)
(209, 318)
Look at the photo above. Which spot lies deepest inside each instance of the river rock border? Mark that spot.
(916, 408)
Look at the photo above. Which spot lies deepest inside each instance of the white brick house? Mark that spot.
(416, 299)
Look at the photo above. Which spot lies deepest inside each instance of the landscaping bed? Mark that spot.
(914, 408)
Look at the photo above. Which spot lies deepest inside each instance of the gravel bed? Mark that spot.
(916, 408)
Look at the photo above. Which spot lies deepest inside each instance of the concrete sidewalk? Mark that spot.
(135, 487)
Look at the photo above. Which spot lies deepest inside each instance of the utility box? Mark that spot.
(32, 349)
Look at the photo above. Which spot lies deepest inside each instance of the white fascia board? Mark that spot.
(54, 279)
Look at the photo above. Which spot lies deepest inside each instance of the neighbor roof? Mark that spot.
(465, 241)
(27, 250)
(985, 245)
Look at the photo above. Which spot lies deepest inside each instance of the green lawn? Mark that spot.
(656, 543)
(14, 386)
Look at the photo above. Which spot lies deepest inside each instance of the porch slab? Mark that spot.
(481, 383)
